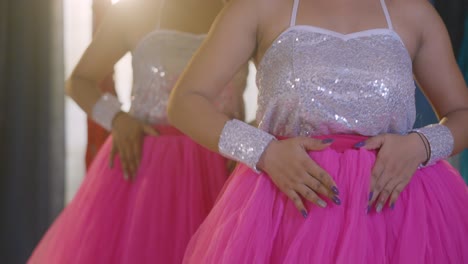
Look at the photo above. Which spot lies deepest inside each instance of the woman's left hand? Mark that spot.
(397, 159)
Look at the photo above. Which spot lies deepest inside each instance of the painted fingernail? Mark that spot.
(304, 213)
(359, 144)
(368, 208)
(327, 140)
(322, 203)
(392, 206)
(379, 208)
(371, 194)
(336, 200)
(335, 190)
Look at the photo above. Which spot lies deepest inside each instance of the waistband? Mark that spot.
(341, 142)
(166, 130)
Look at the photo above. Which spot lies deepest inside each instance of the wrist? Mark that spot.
(422, 147)
(244, 143)
(261, 164)
(118, 116)
(105, 110)
(440, 141)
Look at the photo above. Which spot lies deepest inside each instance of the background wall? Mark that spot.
(31, 123)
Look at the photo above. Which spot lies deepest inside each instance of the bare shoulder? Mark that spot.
(274, 11)
(424, 20)
(419, 11)
(134, 9)
(264, 10)
(120, 12)
(412, 19)
(133, 18)
(243, 13)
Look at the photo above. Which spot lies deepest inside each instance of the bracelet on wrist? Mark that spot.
(440, 141)
(105, 109)
(244, 143)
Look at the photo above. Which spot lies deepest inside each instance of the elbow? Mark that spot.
(68, 87)
(71, 85)
(76, 86)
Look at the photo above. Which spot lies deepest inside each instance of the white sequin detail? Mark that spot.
(440, 140)
(157, 63)
(244, 143)
(105, 110)
(313, 83)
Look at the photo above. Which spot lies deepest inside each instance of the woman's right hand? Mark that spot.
(296, 174)
(127, 139)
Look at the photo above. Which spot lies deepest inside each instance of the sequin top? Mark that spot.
(158, 60)
(314, 81)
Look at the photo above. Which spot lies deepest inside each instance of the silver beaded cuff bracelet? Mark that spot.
(105, 110)
(440, 141)
(244, 143)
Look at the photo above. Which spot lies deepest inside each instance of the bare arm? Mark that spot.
(231, 42)
(229, 46)
(106, 48)
(440, 78)
(109, 44)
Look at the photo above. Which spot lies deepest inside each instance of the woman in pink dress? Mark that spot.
(334, 173)
(150, 186)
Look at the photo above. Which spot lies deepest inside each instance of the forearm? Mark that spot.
(84, 92)
(102, 108)
(230, 44)
(196, 116)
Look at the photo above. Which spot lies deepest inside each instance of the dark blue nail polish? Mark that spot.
(335, 190)
(392, 206)
(360, 144)
(327, 140)
(304, 213)
(368, 208)
(336, 200)
(371, 194)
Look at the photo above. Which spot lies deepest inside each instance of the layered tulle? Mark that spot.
(151, 220)
(253, 222)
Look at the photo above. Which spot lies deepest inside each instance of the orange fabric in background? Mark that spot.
(96, 134)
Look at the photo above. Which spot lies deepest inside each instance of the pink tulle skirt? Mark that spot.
(150, 220)
(253, 222)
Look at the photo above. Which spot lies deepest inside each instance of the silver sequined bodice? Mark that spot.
(158, 60)
(314, 81)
